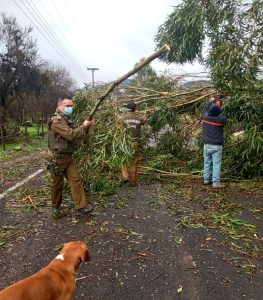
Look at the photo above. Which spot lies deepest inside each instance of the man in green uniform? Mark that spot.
(62, 136)
(133, 123)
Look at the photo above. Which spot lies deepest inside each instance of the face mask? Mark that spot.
(68, 111)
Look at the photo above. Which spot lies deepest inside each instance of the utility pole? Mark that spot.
(92, 72)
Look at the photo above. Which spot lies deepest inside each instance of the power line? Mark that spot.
(57, 48)
(73, 17)
(42, 31)
(59, 14)
(49, 16)
(62, 19)
(53, 35)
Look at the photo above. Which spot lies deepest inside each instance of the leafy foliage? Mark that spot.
(145, 73)
(231, 34)
(232, 30)
(183, 30)
(29, 85)
(106, 147)
(18, 61)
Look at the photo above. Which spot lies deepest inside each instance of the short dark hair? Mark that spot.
(217, 97)
(63, 97)
(131, 106)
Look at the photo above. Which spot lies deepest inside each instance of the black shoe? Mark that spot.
(83, 211)
(56, 213)
(133, 184)
(124, 182)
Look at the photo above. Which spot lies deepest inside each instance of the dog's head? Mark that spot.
(77, 251)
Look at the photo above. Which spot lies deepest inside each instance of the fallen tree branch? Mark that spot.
(170, 173)
(196, 100)
(172, 95)
(163, 49)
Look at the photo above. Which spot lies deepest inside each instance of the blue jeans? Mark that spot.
(212, 164)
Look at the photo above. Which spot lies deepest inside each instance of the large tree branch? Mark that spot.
(179, 105)
(144, 62)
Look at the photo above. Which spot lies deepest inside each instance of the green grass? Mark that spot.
(21, 147)
(32, 131)
(251, 185)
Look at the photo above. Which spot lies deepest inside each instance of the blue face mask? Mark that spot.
(68, 111)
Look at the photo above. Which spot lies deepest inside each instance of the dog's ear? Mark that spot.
(84, 255)
(84, 252)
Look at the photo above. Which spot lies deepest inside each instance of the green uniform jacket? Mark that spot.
(62, 135)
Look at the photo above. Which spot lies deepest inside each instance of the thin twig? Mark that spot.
(170, 173)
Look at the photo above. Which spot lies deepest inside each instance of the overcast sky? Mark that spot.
(111, 35)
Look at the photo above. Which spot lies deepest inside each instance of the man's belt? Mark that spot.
(61, 155)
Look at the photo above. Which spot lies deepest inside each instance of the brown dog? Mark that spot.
(54, 282)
